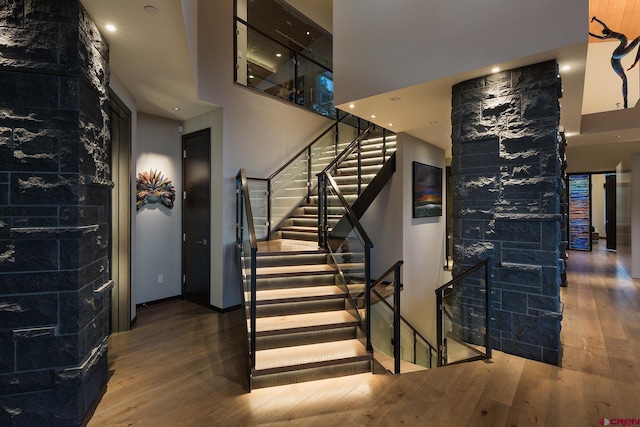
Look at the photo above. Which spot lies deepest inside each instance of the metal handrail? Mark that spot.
(306, 148)
(242, 176)
(385, 302)
(485, 263)
(353, 219)
(348, 150)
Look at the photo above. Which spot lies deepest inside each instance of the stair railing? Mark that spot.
(293, 183)
(350, 251)
(464, 316)
(246, 259)
(385, 314)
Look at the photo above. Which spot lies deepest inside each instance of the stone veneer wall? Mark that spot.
(509, 204)
(54, 212)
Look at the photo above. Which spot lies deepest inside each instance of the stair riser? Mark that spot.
(278, 261)
(295, 281)
(311, 374)
(296, 235)
(305, 338)
(313, 306)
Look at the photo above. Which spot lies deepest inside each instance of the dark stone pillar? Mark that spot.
(54, 212)
(508, 195)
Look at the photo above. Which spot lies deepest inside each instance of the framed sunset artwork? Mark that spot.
(427, 190)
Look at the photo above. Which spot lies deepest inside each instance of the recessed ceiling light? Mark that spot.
(390, 124)
(373, 116)
(177, 108)
(395, 98)
(278, 54)
(352, 105)
(111, 28)
(152, 10)
(433, 122)
(250, 76)
(566, 68)
(308, 33)
(495, 69)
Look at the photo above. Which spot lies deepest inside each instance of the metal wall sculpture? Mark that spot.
(153, 187)
(620, 52)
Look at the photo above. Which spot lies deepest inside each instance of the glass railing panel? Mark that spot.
(349, 251)
(382, 333)
(285, 24)
(463, 317)
(424, 353)
(314, 87)
(259, 196)
(288, 189)
(269, 66)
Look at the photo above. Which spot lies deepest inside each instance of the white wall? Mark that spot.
(158, 249)
(419, 242)
(258, 133)
(431, 40)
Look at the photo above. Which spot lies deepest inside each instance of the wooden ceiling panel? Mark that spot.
(622, 16)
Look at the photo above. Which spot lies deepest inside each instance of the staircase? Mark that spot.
(308, 323)
(303, 222)
(303, 329)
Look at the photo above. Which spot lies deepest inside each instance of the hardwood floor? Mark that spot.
(182, 365)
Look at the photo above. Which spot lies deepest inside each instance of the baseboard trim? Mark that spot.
(158, 301)
(224, 310)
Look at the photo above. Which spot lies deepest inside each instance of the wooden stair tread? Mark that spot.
(272, 360)
(282, 246)
(288, 270)
(306, 321)
(310, 292)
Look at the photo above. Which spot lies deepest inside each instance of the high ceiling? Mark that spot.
(149, 52)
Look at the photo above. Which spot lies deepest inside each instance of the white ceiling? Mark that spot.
(149, 53)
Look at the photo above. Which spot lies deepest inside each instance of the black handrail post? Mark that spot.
(396, 320)
(487, 299)
(439, 327)
(415, 348)
(367, 296)
(309, 174)
(269, 219)
(254, 252)
(322, 237)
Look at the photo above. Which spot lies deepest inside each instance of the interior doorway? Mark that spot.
(121, 200)
(610, 211)
(196, 217)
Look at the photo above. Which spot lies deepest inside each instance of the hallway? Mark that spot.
(182, 365)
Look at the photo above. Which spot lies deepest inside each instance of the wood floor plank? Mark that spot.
(184, 365)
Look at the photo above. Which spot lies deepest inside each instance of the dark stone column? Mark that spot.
(508, 204)
(54, 212)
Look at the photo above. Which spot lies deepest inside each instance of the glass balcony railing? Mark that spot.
(281, 53)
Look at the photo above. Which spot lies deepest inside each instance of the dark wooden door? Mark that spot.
(196, 217)
(610, 211)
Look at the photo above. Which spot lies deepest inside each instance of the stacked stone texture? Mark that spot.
(508, 204)
(54, 212)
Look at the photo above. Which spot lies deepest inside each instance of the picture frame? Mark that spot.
(426, 190)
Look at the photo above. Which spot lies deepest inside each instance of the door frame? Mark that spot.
(207, 132)
(121, 202)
